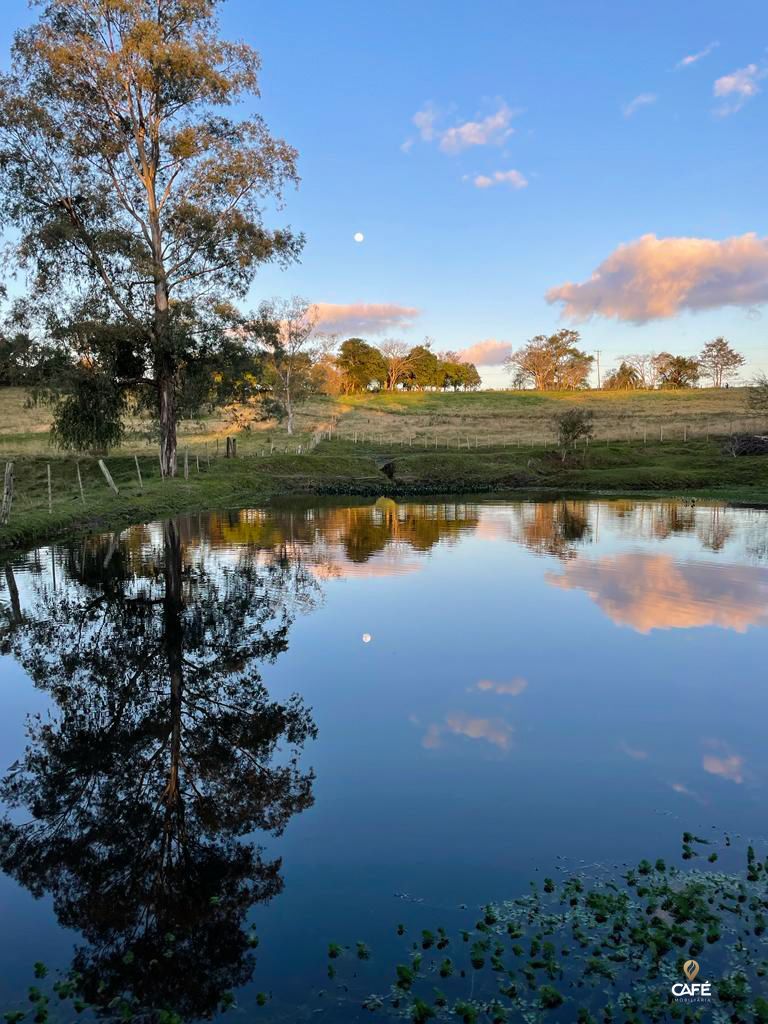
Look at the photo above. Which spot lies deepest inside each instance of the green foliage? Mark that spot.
(630, 940)
(677, 371)
(149, 242)
(624, 378)
(91, 416)
(574, 425)
(424, 369)
(363, 367)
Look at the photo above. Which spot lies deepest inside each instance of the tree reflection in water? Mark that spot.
(165, 751)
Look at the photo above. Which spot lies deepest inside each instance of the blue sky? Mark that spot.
(546, 90)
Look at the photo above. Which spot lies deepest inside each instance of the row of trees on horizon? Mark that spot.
(138, 203)
(556, 363)
(264, 365)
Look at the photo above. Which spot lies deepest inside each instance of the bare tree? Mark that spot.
(285, 329)
(644, 364)
(397, 357)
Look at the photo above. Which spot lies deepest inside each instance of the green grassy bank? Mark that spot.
(696, 468)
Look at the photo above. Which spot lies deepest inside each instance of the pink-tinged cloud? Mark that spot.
(491, 730)
(512, 178)
(363, 317)
(656, 278)
(694, 58)
(738, 87)
(513, 688)
(646, 591)
(490, 131)
(486, 353)
(729, 767)
(723, 762)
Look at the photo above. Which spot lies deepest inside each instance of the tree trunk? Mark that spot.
(167, 414)
(173, 639)
(288, 411)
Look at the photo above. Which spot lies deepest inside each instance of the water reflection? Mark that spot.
(166, 755)
(653, 591)
(164, 750)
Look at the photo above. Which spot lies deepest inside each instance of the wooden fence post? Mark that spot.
(138, 472)
(108, 476)
(5, 510)
(80, 482)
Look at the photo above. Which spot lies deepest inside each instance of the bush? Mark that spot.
(573, 425)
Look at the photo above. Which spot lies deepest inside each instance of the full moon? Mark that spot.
(366, 638)
(358, 236)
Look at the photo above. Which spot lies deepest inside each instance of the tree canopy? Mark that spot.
(719, 361)
(138, 205)
(551, 363)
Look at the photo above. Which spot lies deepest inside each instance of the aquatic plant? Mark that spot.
(600, 949)
(607, 950)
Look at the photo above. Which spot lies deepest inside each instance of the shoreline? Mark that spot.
(334, 469)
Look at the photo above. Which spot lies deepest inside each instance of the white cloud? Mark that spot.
(424, 120)
(694, 58)
(511, 689)
(363, 317)
(738, 87)
(656, 278)
(512, 178)
(492, 130)
(645, 99)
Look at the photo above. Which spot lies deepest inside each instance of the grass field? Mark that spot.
(481, 416)
(405, 444)
(499, 416)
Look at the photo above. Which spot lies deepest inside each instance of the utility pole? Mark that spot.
(598, 353)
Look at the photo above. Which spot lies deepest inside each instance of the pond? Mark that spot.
(309, 723)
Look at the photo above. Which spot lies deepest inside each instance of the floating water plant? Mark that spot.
(607, 950)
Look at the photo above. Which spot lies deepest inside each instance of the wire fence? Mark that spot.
(68, 483)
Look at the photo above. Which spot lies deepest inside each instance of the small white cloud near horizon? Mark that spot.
(694, 58)
(363, 317)
(492, 130)
(738, 87)
(645, 99)
(512, 178)
(486, 353)
(511, 689)
(656, 278)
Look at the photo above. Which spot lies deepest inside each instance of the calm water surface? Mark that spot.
(324, 719)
